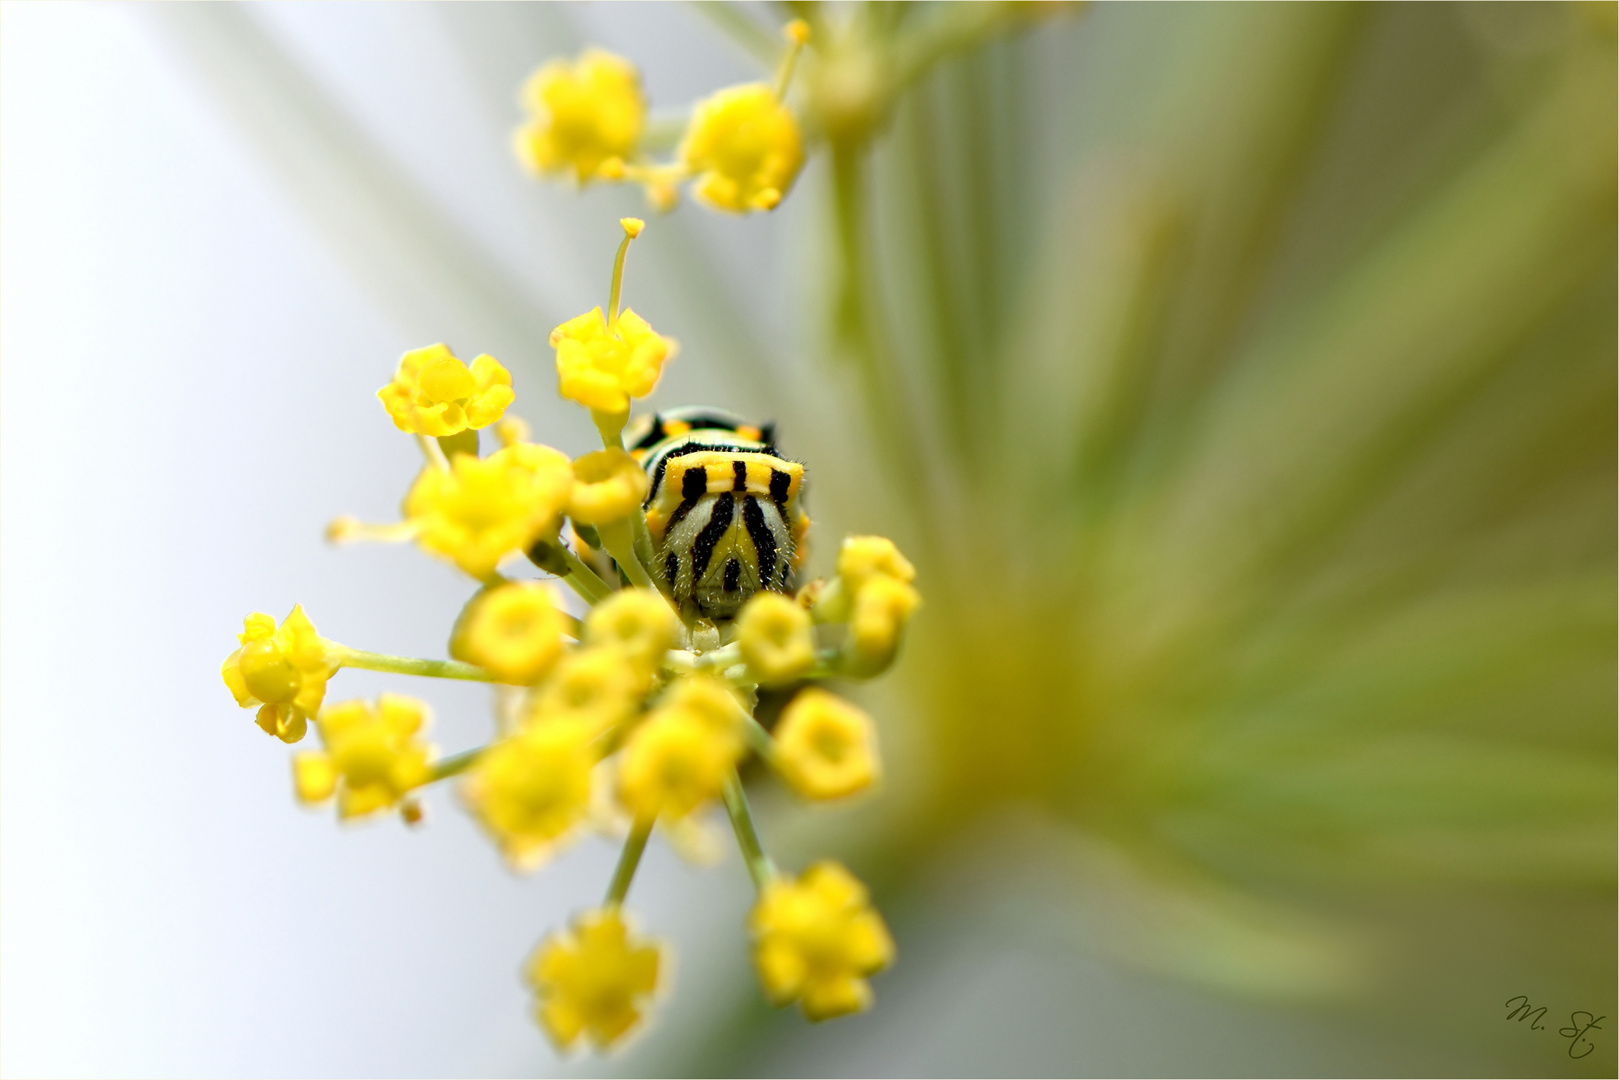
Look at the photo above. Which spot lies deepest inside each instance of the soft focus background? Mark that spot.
(1242, 379)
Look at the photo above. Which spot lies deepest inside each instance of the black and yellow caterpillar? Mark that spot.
(722, 509)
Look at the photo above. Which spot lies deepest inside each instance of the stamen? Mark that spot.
(798, 33)
(632, 229)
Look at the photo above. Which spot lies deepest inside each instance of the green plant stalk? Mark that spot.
(405, 665)
(761, 868)
(628, 860)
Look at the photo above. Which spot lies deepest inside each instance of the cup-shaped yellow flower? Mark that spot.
(826, 747)
(512, 630)
(435, 394)
(603, 366)
(283, 670)
(532, 791)
(817, 939)
(745, 148)
(882, 607)
(709, 698)
(598, 687)
(638, 623)
(373, 756)
(587, 113)
(594, 980)
(608, 485)
(673, 763)
(480, 510)
(862, 558)
(777, 638)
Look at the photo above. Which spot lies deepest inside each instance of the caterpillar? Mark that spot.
(722, 509)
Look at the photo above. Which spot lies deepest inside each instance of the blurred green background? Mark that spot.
(1241, 379)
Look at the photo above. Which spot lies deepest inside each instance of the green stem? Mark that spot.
(611, 427)
(584, 580)
(432, 451)
(760, 742)
(456, 763)
(628, 860)
(405, 665)
(618, 281)
(620, 544)
(760, 866)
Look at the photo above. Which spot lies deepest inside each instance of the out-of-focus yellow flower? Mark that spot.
(435, 394)
(826, 747)
(862, 558)
(638, 623)
(777, 638)
(481, 510)
(607, 485)
(673, 763)
(710, 699)
(283, 671)
(530, 791)
(587, 116)
(512, 630)
(745, 148)
(882, 607)
(372, 757)
(594, 980)
(602, 367)
(817, 939)
(598, 687)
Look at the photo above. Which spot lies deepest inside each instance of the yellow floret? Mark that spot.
(777, 638)
(512, 630)
(673, 763)
(531, 791)
(480, 510)
(593, 980)
(607, 485)
(745, 148)
(882, 607)
(588, 115)
(817, 939)
(826, 747)
(862, 558)
(435, 394)
(636, 622)
(602, 367)
(282, 670)
(709, 698)
(597, 686)
(372, 752)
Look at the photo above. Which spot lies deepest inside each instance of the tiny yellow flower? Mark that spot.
(587, 116)
(826, 747)
(862, 558)
(777, 638)
(480, 510)
(598, 687)
(512, 630)
(602, 367)
(881, 609)
(373, 756)
(435, 394)
(282, 670)
(607, 485)
(638, 623)
(745, 148)
(817, 939)
(710, 699)
(673, 763)
(593, 980)
(532, 790)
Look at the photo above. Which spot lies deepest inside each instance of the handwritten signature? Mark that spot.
(1579, 1023)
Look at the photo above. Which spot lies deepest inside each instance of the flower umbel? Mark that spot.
(587, 113)
(435, 394)
(593, 980)
(817, 939)
(282, 670)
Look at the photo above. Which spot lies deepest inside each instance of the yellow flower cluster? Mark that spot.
(742, 146)
(632, 718)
